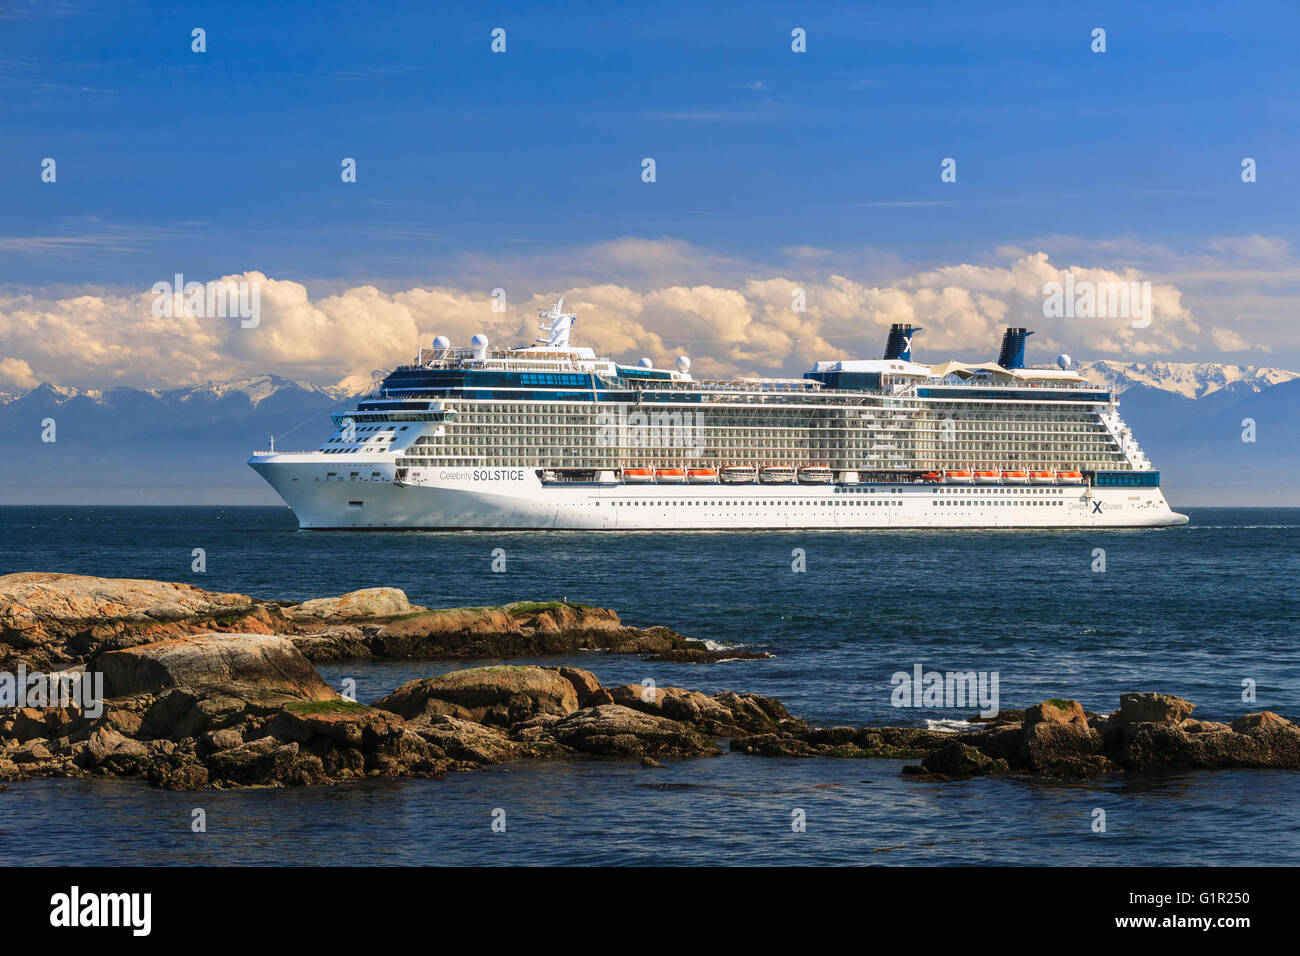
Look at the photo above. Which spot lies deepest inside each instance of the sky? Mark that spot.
(775, 170)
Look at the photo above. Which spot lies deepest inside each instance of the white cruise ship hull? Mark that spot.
(512, 498)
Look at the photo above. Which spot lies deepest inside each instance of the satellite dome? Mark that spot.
(1063, 360)
(479, 344)
(683, 363)
(442, 342)
(646, 363)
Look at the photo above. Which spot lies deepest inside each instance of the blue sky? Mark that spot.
(474, 165)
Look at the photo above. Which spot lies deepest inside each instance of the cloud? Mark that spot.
(14, 371)
(744, 324)
(1227, 340)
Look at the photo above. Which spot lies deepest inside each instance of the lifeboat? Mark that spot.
(702, 476)
(1015, 477)
(776, 475)
(670, 476)
(815, 475)
(1042, 477)
(1070, 477)
(960, 477)
(988, 477)
(932, 476)
(739, 475)
(639, 476)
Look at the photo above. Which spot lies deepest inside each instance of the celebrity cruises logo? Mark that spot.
(951, 690)
(78, 689)
(675, 430)
(227, 299)
(75, 908)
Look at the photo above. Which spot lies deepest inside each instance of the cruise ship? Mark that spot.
(549, 435)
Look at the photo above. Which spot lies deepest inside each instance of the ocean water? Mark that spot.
(1194, 611)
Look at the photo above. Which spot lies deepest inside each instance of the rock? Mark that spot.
(1265, 720)
(773, 745)
(266, 762)
(1054, 711)
(500, 695)
(1001, 740)
(614, 730)
(262, 670)
(531, 628)
(342, 722)
(101, 744)
(755, 714)
(833, 736)
(49, 621)
(587, 686)
(1191, 726)
(338, 642)
(177, 771)
(469, 741)
(68, 616)
(215, 740)
(356, 605)
(1152, 708)
(903, 743)
(351, 739)
(179, 714)
(561, 617)
(961, 760)
(32, 722)
(34, 751)
(1057, 741)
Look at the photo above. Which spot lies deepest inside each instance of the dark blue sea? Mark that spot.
(1203, 611)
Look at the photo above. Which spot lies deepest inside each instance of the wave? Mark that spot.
(951, 726)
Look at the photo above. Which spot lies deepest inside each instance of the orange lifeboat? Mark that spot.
(988, 477)
(932, 476)
(1070, 477)
(1015, 477)
(1042, 477)
(670, 476)
(961, 477)
(639, 476)
(702, 476)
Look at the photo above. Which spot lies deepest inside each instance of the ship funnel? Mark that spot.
(1013, 348)
(899, 345)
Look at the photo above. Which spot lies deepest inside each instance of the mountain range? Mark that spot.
(189, 445)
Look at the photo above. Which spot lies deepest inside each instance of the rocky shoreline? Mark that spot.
(52, 621)
(201, 690)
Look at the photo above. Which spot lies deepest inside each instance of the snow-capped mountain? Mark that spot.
(1191, 380)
